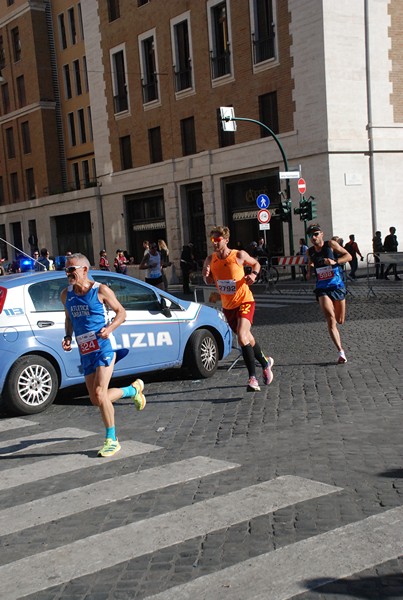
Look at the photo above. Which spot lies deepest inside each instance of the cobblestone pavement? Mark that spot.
(317, 423)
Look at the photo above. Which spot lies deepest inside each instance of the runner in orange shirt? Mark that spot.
(225, 269)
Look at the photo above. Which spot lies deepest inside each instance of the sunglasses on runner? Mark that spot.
(70, 270)
(314, 234)
(216, 240)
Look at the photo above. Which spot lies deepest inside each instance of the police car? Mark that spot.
(160, 331)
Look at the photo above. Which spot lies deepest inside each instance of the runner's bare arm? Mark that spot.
(207, 276)
(343, 255)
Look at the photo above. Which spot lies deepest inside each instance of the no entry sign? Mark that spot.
(301, 185)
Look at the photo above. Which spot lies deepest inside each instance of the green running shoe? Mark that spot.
(139, 399)
(110, 447)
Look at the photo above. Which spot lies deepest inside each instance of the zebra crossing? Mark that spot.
(282, 573)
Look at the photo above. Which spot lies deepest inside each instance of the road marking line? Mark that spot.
(106, 491)
(86, 556)
(66, 463)
(29, 444)
(303, 566)
(9, 424)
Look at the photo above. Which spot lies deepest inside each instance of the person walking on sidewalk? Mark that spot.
(353, 250)
(390, 244)
(225, 268)
(330, 290)
(85, 304)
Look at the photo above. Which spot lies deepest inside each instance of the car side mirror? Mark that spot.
(164, 308)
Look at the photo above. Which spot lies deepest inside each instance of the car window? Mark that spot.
(45, 295)
(132, 295)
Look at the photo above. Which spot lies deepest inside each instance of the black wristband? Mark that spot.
(255, 273)
(67, 337)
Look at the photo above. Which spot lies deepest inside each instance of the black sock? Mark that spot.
(249, 358)
(260, 357)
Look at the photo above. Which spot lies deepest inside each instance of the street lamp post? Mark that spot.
(229, 116)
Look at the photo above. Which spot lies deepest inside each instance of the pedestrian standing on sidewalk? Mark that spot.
(377, 248)
(85, 303)
(225, 269)
(103, 261)
(353, 250)
(330, 290)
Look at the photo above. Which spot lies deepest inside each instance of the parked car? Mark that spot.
(160, 330)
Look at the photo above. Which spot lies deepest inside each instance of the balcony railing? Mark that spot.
(150, 90)
(220, 64)
(263, 48)
(120, 103)
(183, 79)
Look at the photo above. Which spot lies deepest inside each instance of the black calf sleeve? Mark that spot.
(249, 358)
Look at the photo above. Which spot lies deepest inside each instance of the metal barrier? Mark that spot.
(377, 264)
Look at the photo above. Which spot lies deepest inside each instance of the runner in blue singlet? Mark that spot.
(330, 290)
(84, 301)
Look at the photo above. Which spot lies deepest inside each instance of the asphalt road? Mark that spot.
(294, 491)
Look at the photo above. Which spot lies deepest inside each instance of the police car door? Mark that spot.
(149, 333)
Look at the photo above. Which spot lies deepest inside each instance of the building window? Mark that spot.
(94, 170)
(182, 55)
(268, 113)
(85, 73)
(62, 32)
(29, 176)
(5, 97)
(263, 30)
(113, 10)
(76, 176)
(149, 68)
(16, 44)
(10, 142)
(154, 140)
(1, 199)
(80, 20)
(225, 138)
(2, 54)
(26, 137)
(188, 136)
(142, 2)
(10, 2)
(22, 99)
(15, 192)
(89, 118)
(81, 126)
(125, 152)
(72, 129)
(219, 39)
(77, 77)
(67, 82)
(120, 98)
(86, 172)
(72, 25)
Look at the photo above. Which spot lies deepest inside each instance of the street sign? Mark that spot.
(301, 186)
(263, 216)
(263, 201)
(263, 226)
(289, 174)
(227, 116)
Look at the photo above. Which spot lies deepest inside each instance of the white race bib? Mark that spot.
(325, 273)
(226, 286)
(87, 342)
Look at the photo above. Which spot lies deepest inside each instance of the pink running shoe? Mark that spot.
(342, 358)
(267, 372)
(253, 385)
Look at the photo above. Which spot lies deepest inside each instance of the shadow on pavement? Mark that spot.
(372, 588)
(394, 474)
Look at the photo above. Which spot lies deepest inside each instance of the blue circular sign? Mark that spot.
(263, 201)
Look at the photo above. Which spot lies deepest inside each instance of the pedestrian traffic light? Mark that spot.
(314, 211)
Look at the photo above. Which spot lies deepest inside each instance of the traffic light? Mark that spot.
(285, 209)
(303, 209)
(314, 211)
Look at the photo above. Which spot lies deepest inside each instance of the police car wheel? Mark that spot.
(31, 385)
(202, 354)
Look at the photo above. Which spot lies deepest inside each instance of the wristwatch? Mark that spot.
(255, 273)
